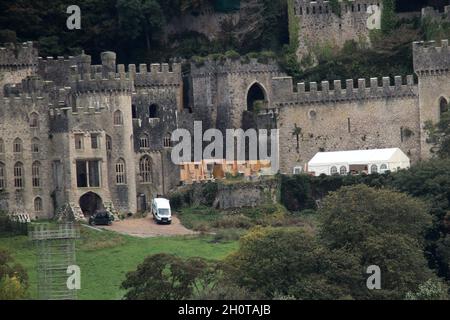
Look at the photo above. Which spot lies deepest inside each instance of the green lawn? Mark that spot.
(105, 257)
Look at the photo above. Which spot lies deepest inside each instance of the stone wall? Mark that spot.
(247, 194)
(334, 119)
(321, 27)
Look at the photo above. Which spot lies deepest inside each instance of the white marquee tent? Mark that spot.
(358, 161)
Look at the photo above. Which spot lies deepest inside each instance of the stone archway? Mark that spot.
(255, 94)
(91, 202)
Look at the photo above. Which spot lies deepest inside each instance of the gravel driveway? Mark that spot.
(147, 228)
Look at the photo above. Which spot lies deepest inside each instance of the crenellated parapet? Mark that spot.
(284, 92)
(32, 85)
(152, 75)
(324, 7)
(13, 56)
(431, 14)
(431, 58)
(242, 66)
(59, 69)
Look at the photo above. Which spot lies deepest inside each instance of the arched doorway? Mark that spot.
(256, 94)
(443, 106)
(91, 202)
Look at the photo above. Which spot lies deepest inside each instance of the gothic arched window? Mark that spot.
(443, 105)
(145, 169)
(35, 174)
(2, 176)
(143, 141)
(168, 140)
(38, 204)
(34, 120)
(17, 146)
(35, 145)
(121, 176)
(118, 118)
(18, 175)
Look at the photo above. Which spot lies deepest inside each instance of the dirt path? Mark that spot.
(147, 228)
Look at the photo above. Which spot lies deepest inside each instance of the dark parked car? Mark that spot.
(101, 218)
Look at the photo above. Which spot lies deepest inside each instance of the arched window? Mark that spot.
(35, 174)
(153, 111)
(443, 105)
(343, 170)
(2, 146)
(38, 204)
(383, 168)
(35, 145)
(168, 140)
(2, 176)
(374, 168)
(34, 120)
(121, 177)
(108, 143)
(256, 97)
(333, 170)
(18, 175)
(143, 141)
(17, 146)
(118, 118)
(134, 111)
(145, 170)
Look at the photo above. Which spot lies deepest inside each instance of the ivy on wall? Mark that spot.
(294, 26)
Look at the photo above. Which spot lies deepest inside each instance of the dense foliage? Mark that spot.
(13, 278)
(386, 229)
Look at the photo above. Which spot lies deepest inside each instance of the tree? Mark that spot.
(280, 262)
(166, 277)
(140, 18)
(430, 290)
(13, 278)
(388, 16)
(383, 228)
(352, 214)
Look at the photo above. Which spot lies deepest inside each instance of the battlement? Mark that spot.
(434, 14)
(284, 92)
(431, 57)
(242, 65)
(324, 7)
(58, 69)
(152, 75)
(18, 55)
(32, 85)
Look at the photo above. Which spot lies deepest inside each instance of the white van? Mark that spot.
(161, 210)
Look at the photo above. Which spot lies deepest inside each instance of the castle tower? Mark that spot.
(17, 61)
(93, 131)
(224, 90)
(432, 65)
(323, 25)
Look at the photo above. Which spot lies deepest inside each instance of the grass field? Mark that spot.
(105, 257)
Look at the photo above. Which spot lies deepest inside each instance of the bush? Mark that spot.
(239, 221)
(227, 235)
(231, 54)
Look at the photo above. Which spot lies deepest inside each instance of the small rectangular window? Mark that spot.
(95, 141)
(79, 141)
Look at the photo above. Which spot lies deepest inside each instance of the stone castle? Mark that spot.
(76, 137)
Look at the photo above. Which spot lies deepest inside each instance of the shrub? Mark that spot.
(231, 54)
(227, 235)
(239, 221)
